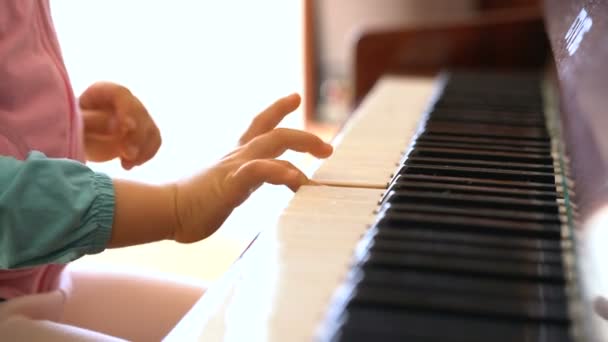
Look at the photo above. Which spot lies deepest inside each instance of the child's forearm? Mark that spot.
(143, 213)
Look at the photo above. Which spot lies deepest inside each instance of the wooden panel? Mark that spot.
(504, 39)
(495, 4)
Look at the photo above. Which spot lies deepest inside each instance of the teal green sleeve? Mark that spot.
(52, 211)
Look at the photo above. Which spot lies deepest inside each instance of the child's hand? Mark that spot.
(117, 125)
(205, 201)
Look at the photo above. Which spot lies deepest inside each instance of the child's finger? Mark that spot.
(127, 164)
(275, 143)
(130, 152)
(256, 172)
(126, 124)
(270, 117)
(101, 150)
(131, 155)
(300, 175)
(140, 147)
(99, 122)
(105, 125)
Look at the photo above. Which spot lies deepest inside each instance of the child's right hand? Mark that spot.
(192, 209)
(203, 202)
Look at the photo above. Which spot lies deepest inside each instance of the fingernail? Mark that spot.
(293, 96)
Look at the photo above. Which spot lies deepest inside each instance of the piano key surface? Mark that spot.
(283, 283)
(445, 225)
(280, 289)
(439, 220)
(378, 133)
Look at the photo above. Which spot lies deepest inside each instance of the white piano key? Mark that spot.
(291, 271)
(378, 133)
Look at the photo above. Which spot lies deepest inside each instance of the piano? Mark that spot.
(465, 205)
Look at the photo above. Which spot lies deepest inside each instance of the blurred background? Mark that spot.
(205, 68)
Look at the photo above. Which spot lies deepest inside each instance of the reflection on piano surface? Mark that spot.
(447, 213)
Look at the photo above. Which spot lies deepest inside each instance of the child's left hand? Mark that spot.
(117, 125)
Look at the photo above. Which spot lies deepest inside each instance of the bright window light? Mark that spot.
(202, 68)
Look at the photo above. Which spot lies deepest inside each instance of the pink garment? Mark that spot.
(103, 305)
(38, 111)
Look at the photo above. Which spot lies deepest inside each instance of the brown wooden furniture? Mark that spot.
(500, 39)
(499, 33)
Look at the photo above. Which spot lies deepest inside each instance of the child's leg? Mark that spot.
(21, 328)
(46, 306)
(33, 318)
(126, 305)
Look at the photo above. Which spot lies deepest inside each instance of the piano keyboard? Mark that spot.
(468, 242)
(433, 224)
(378, 134)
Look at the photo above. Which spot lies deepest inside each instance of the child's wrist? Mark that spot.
(172, 190)
(143, 213)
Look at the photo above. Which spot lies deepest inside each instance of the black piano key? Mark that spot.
(476, 182)
(424, 299)
(425, 142)
(467, 238)
(392, 209)
(443, 282)
(420, 326)
(478, 212)
(513, 122)
(486, 117)
(491, 115)
(413, 159)
(487, 130)
(506, 142)
(460, 89)
(469, 224)
(496, 156)
(495, 112)
(514, 102)
(516, 91)
(487, 107)
(511, 82)
(476, 119)
(471, 201)
(380, 244)
(404, 184)
(352, 335)
(477, 172)
(471, 90)
(526, 103)
(468, 242)
(472, 98)
(465, 266)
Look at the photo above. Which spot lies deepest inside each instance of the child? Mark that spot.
(54, 209)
